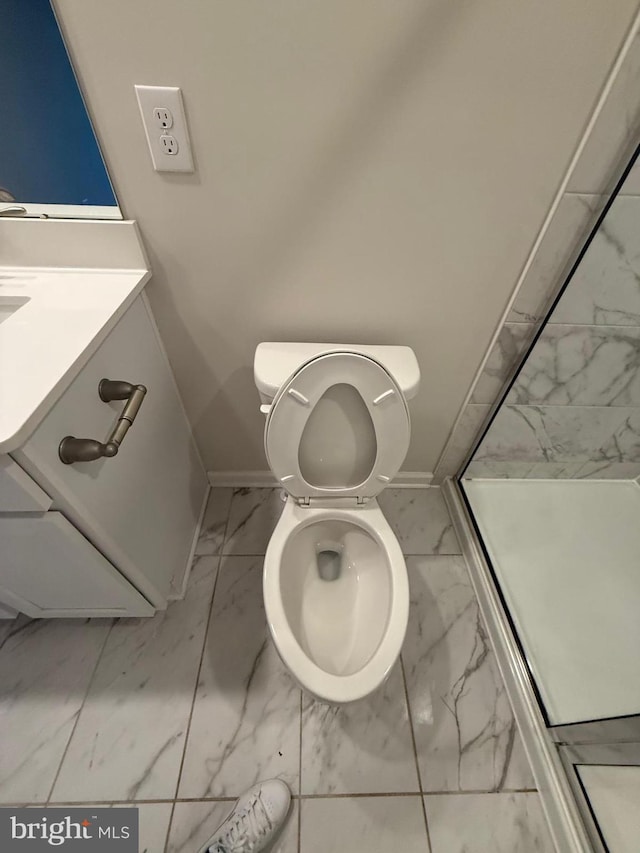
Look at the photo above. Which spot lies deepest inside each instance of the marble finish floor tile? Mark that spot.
(246, 717)
(130, 735)
(420, 520)
(363, 825)
(252, 519)
(478, 823)
(194, 823)
(214, 523)
(362, 748)
(45, 670)
(154, 826)
(466, 736)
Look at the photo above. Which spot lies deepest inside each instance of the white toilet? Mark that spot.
(335, 582)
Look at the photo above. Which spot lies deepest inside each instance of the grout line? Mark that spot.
(355, 795)
(360, 795)
(299, 797)
(144, 802)
(166, 838)
(197, 680)
(114, 620)
(475, 792)
(415, 753)
(193, 700)
(169, 826)
(379, 794)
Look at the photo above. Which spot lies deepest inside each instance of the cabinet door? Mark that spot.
(140, 508)
(47, 568)
(18, 492)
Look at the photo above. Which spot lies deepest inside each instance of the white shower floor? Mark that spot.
(567, 555)
(614, 793)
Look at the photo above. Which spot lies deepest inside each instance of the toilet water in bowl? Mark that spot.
(329, 557)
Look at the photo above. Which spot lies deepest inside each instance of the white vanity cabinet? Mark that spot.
(112, 536)
(48, 568)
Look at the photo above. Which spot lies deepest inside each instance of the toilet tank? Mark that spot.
(275, 362)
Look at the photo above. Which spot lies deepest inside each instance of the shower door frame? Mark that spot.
(553, 750)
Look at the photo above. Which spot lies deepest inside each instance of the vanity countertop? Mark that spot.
(52, 320)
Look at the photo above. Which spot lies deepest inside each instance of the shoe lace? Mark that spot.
(246, 829)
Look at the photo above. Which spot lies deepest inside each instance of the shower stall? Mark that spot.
(547, 507)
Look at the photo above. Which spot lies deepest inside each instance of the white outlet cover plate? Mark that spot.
(150, 97)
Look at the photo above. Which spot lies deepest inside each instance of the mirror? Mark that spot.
(50, 162)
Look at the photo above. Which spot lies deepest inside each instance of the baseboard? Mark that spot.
(559, 804)
(412, 480)
(266, 480)
(242, 479)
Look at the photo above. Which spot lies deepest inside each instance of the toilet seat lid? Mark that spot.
(295, 401)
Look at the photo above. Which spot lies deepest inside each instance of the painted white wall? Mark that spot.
(367, 171)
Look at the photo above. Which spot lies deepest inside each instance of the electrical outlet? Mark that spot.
(163, 118)
(170, 152)
(168, 144)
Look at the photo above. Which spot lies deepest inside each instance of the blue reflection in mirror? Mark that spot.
(49, 153)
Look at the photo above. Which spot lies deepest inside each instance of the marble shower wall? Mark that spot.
(574, 410)
(559, 419)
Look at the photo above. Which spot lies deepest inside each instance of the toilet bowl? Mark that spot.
(335, 582)
(338, 638)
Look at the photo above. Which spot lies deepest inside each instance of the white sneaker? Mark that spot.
(255, 820)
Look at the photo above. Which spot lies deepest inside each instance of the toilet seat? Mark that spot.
(296, 400)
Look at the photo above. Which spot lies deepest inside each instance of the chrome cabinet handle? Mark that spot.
(73, 449)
